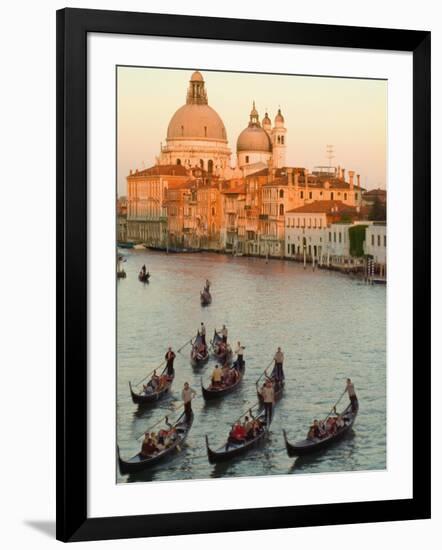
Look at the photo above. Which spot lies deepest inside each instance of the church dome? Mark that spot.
(254, 138)
(196, 121)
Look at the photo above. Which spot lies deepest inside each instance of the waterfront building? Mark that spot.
(146, 211)
(376, 244)
(233, 227)
(122, 219)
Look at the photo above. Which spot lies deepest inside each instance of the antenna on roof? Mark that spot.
(330, 150)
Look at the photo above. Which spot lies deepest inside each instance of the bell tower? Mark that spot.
(279, 141)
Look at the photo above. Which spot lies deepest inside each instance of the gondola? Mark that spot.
(308, 446)
(142, 399)
(231, 450)
(215, 393)
(198, 359)
(143, 277)
(223, 357)
(205, 298)
(138, 463)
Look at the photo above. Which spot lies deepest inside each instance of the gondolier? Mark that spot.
(278, 372)
(268, 397)
(224, 333)
(239, 350)
(350, 389)
(170, 358)
(202, 331)
(187, 395)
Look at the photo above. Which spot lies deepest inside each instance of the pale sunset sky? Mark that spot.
(351, 114)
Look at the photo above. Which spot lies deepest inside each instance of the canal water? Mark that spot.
(328, 325)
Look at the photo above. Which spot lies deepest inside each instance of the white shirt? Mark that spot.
(203, 330)
(188, 395)
(239, 350)
(268, 394)
(224, 332)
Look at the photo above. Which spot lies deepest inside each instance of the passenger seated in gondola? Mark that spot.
(249, 427)
(216, 377)
(238, 433)
(148, 448)
(330, 425)
(155, 380)
(147, 389)
(314, 431)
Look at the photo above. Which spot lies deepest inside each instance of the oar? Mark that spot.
(334, 406)
(161, 364)
(248, 410)
(265, 372)
(156, 423)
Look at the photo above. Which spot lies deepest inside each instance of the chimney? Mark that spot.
(358, 177)
(343, 173)
(306, 184)
(339, 172)
(351, 176)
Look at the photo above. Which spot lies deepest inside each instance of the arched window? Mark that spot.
(247, 159)
(282, 140)
(202, 163)
(205, 131)
(178, 161)
(281, 193)
(182, 130)
(281, 210)
(331, 196)
(210, 166)
(279, 139)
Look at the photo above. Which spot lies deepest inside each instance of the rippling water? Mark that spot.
(329, 326)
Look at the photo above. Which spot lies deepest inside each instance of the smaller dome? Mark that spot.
(279, 117)
(266, 120)
(197, 77)
(254, 138)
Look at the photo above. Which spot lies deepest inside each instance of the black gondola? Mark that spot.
(144, 277)
(205, 298)
(215, 393)
(138, 462)
(223, 357)
(198, 358)
(307, 446)
(146, 399)
(231, 450)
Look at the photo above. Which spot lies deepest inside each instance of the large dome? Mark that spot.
(196, 121)
(254, 138)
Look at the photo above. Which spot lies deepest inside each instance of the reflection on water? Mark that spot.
(329, 327)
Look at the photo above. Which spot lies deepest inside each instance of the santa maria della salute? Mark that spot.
(199, 195)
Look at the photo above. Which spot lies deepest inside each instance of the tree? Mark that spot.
(378, 211)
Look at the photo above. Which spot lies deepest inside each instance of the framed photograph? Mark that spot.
(243, 272)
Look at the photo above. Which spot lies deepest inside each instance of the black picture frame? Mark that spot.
(73, 25)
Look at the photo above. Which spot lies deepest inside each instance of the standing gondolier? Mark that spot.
(350, 389)
(268, 397)
(207, 287)
(170, 358)
(239, 350)
(202, 331)
(224, 333)
(278, 371)
(187, 395)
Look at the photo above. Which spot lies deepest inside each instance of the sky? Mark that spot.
(350, 114)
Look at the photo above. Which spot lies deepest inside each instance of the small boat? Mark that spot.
(222, 356)
(216, 392)
(205, 297)
(308, 446)
(198, 357)
(233, 449)
(122, 244)
(139, 246)
(138, 462)
(144, 277)
(121, 274)
(146, 399)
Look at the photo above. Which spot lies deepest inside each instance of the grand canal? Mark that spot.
(329, 326)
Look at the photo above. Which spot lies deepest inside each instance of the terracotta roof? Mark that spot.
(323, 207)
(162, 170)
(374, 192)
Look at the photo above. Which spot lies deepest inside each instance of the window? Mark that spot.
(288, 250)
(182, 130)
(293, 249)
(309, 222)
(247, 159)
(281, 193)
(379, 240)
(385, 240)
(202, 163)
(178, 161)
(297, 222)
(329, 236)
(345, 196)
(205, 131)
(279, 139)
(372, 240)
(340, 237)
(334, 236)
(281, 210)
(332, 196)
(210, 166)
(320, 223)
(356, 196)
(310, 195)
(302, 194)
(282, 140)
